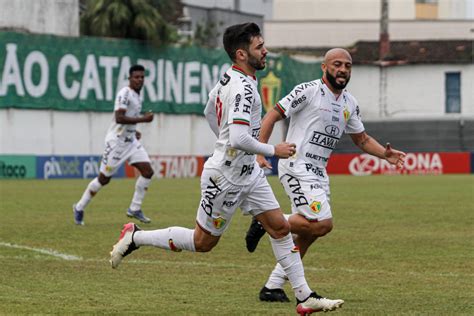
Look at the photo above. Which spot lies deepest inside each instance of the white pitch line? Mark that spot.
(48, 252)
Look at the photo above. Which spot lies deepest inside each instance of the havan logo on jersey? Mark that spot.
(324, 140)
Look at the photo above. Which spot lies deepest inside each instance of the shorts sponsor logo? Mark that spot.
(218, 222)
(229, 203)
(209, 195)
(247, 170)
(297, 196)
(316, 206)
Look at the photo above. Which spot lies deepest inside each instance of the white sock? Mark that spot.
(141, 186)
(277, 278)
(171, 238)
(91, 190)
(289, 258)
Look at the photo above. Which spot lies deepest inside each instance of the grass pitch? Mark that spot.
(401, 245)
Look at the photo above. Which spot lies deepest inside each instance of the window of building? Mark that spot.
(453, 92)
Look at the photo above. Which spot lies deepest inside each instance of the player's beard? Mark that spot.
(255, 63)
(333, 82)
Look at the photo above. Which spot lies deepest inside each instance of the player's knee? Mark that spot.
(203, 247)
(323, 228)
(280, 230)
(148, 173)
(103, 180)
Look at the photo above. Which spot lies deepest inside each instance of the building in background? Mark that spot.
(44, 16)
(204, 21)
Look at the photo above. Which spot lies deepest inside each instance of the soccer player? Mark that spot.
(232, 177)
(121, 144)
(319, 111)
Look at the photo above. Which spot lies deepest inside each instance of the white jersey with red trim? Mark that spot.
(317, 121)
(236, 101)
(129, 100)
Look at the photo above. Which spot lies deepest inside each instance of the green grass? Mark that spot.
(401, 245)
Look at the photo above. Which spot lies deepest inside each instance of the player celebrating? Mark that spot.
(320, 111)
(121, 144)
(232, 177)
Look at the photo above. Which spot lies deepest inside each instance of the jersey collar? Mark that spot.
(329, 90)
(240, 70)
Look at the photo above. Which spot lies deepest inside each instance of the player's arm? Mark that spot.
(240, 138)
(211, 115)
(121, 118)
(371, 146)
(268, 123)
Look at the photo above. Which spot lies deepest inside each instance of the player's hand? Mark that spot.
(395, 157)
(148, 117)
(138, 135)
(263, 163)
(285, 150)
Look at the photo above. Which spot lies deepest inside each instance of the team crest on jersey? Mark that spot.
(346, 114)
(218, 222)
(316, 206)
(270, 89)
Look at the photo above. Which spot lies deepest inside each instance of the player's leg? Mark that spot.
(92, 188)
(140, 160)
(206, 234)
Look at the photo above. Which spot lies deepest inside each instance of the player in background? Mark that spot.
(122, 144)
(320, 111)
(231, 177)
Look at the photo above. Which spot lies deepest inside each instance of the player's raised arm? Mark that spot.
(371, 146)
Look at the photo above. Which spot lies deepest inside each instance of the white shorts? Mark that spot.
(308, 198)
(117, 152)
(220, 198)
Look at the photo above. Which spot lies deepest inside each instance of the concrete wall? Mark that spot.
(45, 132)
(334, 33)
(59, 17)
(412, 91)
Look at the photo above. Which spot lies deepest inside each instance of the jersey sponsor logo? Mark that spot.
(238, 97)
(209, 195)
(295, 103)
(335, 119)
(358, 111)
(324, 140)
(316, 170)
(270, 90)
(298, 89)
(248, 96)
(297, 196)
(315, 206)
(316, 157)
(247, 170)
(332, 130)
(225, 79)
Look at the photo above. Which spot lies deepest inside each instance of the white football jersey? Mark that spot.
(317, 121)
(129, 100)
(236, 101)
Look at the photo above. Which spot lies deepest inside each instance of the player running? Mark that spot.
(320, 111)
(231, 177)
(122, 144)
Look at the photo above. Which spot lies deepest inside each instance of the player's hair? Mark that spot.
(239, 36)
(135, 68)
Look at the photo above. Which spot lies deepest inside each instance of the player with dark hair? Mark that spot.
(320, 111)
(231, 177)
(122, 144)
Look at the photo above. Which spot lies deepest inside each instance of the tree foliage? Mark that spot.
(149, 20)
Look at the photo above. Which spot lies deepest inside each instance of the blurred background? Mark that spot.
(63, 61)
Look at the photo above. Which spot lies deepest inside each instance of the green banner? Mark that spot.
(17, 167)
(85, 73)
